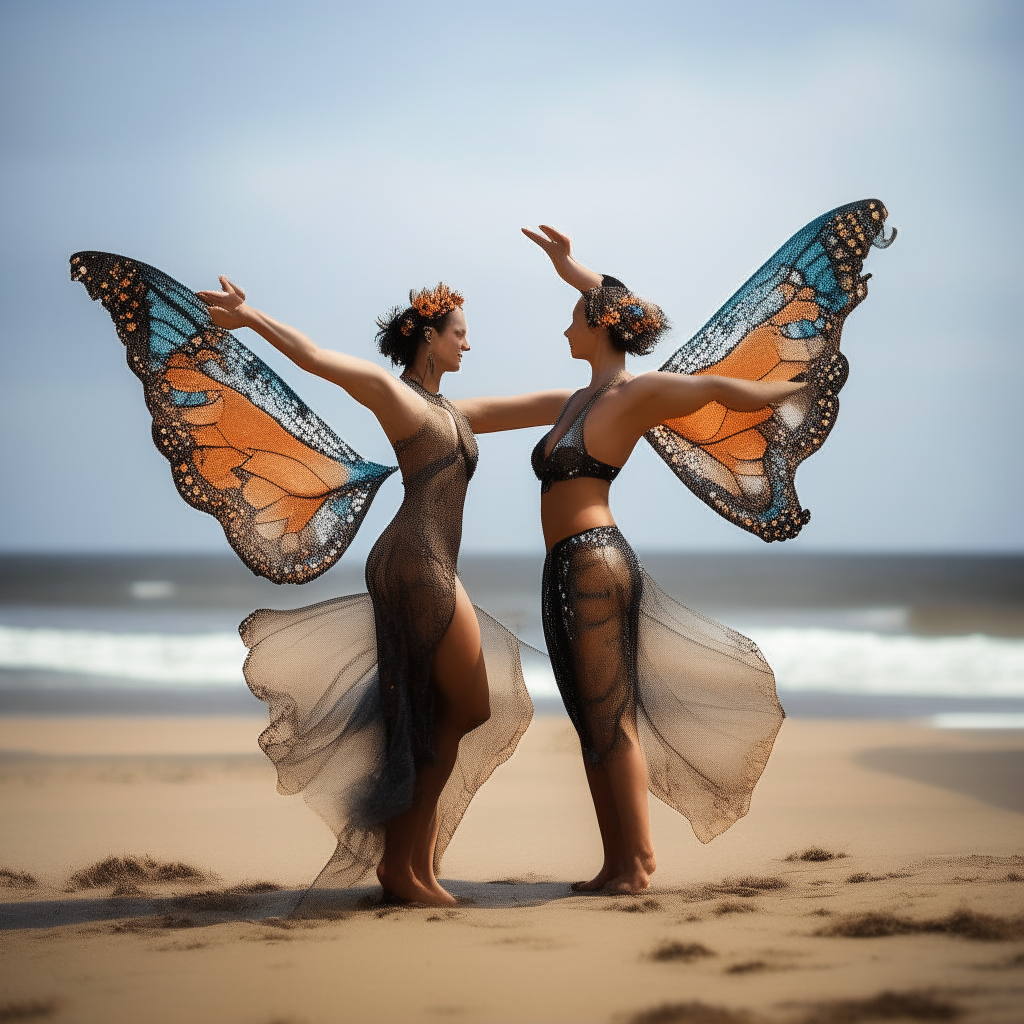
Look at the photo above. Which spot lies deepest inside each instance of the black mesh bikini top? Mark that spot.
(569, 459)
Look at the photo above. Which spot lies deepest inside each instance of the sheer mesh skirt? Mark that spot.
(316, 668)
(702, 695)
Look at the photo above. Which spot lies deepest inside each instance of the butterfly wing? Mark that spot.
(242, 445)
(783, 324)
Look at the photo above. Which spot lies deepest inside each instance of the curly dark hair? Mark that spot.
(400, 331)
(634, 324)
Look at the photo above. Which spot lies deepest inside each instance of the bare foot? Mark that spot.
(406, 887)
(444, 897)
(635, 878)
(597, 882)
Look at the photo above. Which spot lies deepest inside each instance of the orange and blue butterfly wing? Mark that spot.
(783, 324)
(289, 493)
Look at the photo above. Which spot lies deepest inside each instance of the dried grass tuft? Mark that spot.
(966, 924)
(747, 967)
(211, 901)
(634, 906)
(113, 871)
(11, 879)
(689, 1013)
(680, 952)
(886, 1006)
(732, 907)
(255, 888)
(816, 855)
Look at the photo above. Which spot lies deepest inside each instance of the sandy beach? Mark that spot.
(879, 875)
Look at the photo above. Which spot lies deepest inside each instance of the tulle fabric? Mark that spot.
(316, 668)
(348, 682)
(702, 695)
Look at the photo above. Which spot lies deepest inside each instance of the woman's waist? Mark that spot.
(572, 507)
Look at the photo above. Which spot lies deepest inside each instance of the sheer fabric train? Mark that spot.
(702, 695)
(348, 681)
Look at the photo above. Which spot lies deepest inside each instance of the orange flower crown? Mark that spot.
(396, 329)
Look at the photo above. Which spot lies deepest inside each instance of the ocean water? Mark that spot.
(941, 639)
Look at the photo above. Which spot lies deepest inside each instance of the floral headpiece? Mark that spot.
(430, 304)
(635, 324)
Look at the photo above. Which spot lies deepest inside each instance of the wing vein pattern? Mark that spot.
(243, 447)
(783, 324)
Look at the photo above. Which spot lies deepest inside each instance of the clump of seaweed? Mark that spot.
(689, 1013)
(967, 924)
(885, 1006)
(113, 871)
(816, 855)
(12, 879)
(680, 952)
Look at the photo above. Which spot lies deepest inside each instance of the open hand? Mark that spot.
(557, 245)
(227, 308)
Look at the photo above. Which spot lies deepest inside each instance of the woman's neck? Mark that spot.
(419, 372)
(605, 366)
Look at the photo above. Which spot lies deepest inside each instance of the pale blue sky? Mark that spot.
(330, 156)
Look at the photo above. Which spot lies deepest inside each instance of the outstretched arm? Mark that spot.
(656, 397)
(395, 406)
(559, 249)
(536, 409)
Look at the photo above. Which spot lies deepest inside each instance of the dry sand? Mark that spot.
(926, 830)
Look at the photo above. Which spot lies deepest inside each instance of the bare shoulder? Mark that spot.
(642, 387)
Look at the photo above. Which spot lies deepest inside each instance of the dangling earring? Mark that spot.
(430, 354)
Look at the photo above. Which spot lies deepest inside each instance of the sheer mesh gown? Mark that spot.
(701, 695)
(347, 681)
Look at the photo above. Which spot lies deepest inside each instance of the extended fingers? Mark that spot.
(534, 237)
(556, 236)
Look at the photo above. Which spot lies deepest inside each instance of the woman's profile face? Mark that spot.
(449, 344)
(582, 337)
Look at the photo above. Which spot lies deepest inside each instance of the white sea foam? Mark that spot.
(977, 720)
(840, 661)
(149, 659)
(847, 661)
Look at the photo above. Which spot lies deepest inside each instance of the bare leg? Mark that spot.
(608, 823)
(627, 780)
(406, 869)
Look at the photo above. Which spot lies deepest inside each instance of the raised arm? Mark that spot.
(536, 409)
(399, 411)
(559, 249)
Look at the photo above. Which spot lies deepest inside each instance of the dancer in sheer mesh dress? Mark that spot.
(389, 709)
(663, 698)
(432, 651)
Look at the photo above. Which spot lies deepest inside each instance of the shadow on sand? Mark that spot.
(144, 911)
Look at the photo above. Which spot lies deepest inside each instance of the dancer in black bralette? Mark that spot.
(661, 697)
(435, 655)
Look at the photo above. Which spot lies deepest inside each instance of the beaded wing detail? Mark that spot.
(289, 493)
(783, 324)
